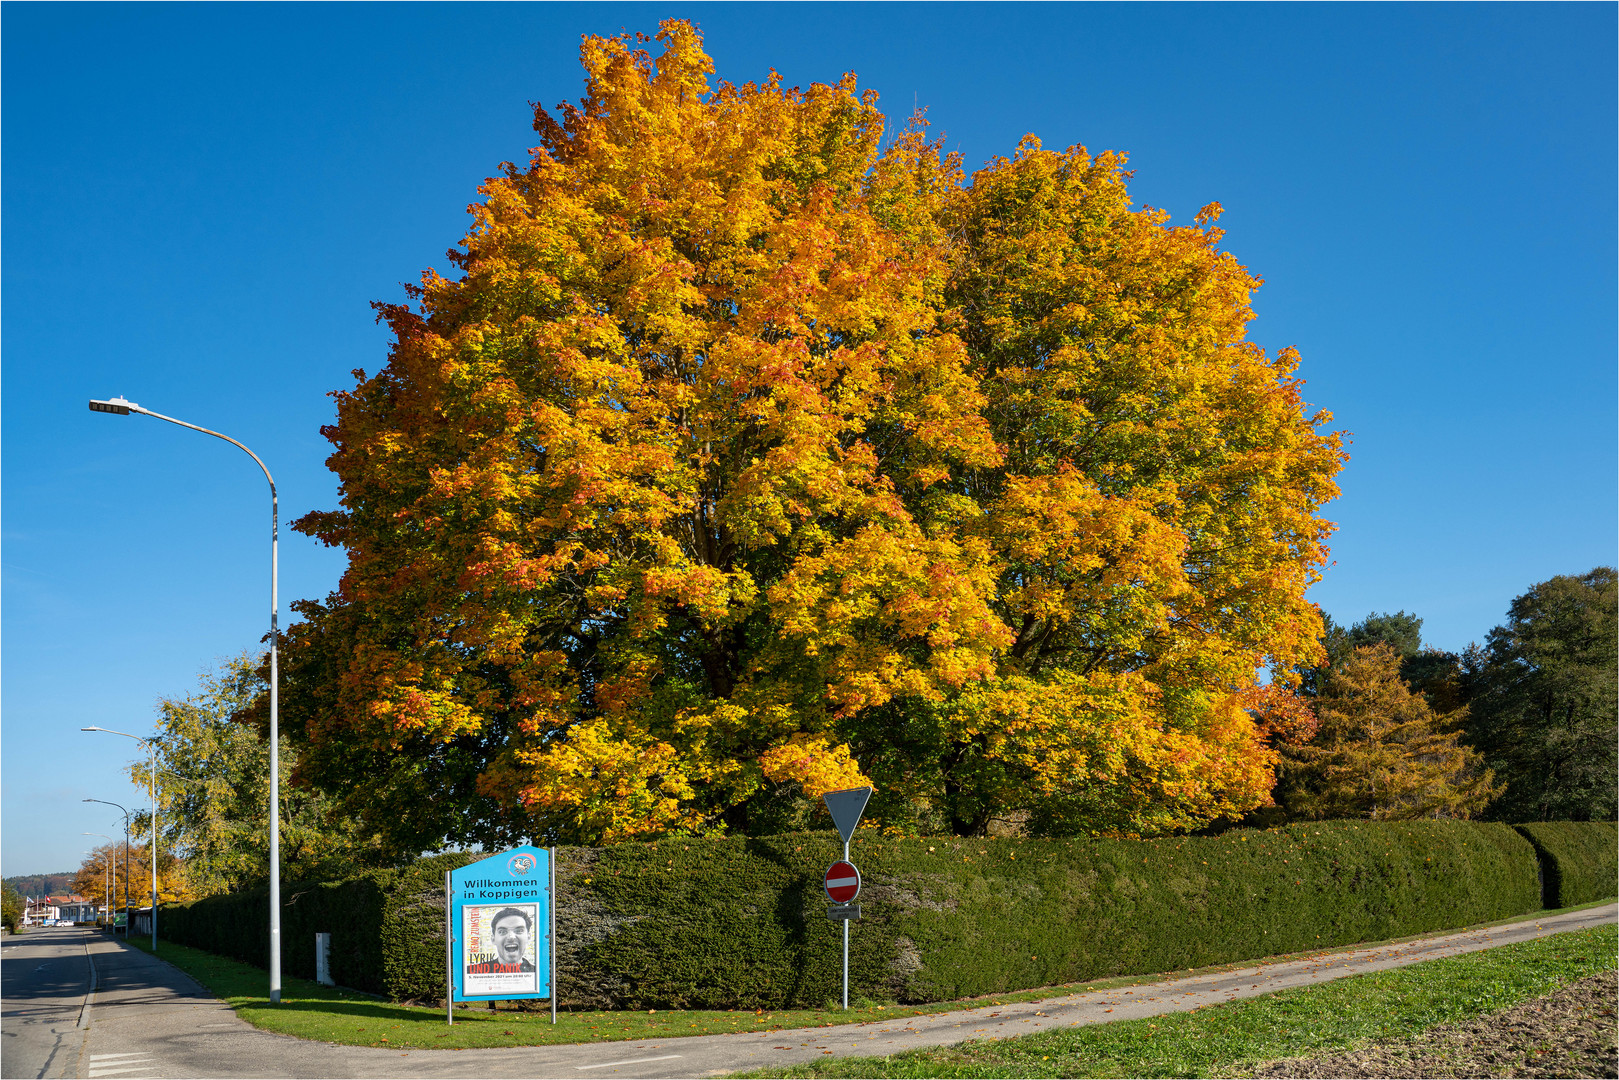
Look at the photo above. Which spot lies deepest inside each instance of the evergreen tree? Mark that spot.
(1543, 713)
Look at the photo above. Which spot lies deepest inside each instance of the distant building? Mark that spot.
(58, 910)
(74, 908)
(39, 911)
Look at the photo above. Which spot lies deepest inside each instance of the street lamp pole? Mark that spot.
(120, 407)
(151, 787)
(104, 802)
(107, 894)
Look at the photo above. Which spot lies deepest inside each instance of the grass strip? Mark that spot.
(1234, 1039)
(309, 1010)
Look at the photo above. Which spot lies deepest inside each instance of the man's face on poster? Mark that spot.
(511, 938)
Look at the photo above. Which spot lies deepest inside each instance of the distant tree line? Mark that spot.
(42, 884)
(1520, 728)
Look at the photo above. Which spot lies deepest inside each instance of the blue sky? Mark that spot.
(200, 202)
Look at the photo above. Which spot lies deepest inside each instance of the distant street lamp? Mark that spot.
(104, 802)
(119, 406)
(108, 893)
(151, 786)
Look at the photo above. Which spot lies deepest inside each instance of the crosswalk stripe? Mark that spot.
(631, 1061)
(97, 1071)
(115, 1057)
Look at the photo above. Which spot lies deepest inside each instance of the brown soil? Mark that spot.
(1568, 1033)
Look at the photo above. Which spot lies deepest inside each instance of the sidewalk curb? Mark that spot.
(90, 995)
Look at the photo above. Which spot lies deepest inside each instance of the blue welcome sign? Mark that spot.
(500, 944)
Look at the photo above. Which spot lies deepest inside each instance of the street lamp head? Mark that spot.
(89, 729)
(118, 405)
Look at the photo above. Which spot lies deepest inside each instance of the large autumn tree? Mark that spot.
(750, 454)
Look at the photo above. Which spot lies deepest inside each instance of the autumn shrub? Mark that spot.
(1580, 859)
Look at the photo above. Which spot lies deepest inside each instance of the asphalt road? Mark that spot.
(44, 977)
(147, 1019)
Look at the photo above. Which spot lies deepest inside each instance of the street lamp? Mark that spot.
(104, 802)
(151, 786)
(119, 406)
(108, 893)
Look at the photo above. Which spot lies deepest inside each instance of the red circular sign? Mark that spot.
(842, 882)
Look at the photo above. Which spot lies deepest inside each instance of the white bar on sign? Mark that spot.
(838, 883)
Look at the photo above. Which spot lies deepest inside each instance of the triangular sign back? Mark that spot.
(847, 806)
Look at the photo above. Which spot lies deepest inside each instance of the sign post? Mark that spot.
(842, 880)
(501, 929)
(449, 951)
(553, 949)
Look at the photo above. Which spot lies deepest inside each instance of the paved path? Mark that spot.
(151, 1020)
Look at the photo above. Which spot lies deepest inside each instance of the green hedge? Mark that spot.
(741, 923)
(1580, 860)
(238, 926)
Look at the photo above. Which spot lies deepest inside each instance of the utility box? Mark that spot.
(323, 960)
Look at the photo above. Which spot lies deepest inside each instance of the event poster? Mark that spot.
(500, 925)
(498, 954)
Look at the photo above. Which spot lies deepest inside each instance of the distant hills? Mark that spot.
(43, 884)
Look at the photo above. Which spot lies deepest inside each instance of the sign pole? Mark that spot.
(449, 955)
(553, 949)
(846, 944)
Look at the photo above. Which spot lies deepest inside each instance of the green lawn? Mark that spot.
(1227, 1040)
(311, 1011)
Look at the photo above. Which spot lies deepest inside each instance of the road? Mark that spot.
(44, 977)
(147, 1019)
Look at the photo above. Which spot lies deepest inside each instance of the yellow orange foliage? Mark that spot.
(1381, 752)
(752, 454)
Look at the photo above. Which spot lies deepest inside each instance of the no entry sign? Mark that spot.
(842, 882)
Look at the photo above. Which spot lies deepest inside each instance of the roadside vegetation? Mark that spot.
(1238, 1038)
(309, 1010)
(11, 907)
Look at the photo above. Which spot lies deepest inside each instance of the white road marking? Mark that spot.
(117, 1068)
(631, 1061)
(118, 1064)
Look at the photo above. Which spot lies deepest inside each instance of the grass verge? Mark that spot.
(309, 1010)
(1234, 1039)
(330, 1014)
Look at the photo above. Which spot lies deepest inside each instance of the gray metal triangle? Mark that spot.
(847, 806)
